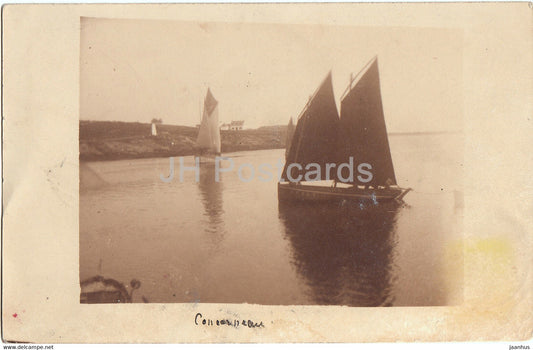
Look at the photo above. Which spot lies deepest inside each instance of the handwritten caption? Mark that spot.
(200, 320)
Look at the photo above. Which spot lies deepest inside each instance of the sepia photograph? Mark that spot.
(289, 173)
(270, 164)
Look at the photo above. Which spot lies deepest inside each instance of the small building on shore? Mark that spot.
(234, 125)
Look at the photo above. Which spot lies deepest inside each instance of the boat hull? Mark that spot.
(291, 192)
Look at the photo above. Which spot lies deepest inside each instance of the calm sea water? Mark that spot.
(230, 241)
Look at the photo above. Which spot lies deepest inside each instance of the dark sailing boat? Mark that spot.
(208, 140)
(326, 147)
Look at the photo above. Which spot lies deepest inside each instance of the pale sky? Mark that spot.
(136, 70)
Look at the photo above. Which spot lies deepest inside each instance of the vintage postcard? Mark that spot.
(267, 173)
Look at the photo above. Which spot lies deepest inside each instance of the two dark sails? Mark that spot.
(322, 137)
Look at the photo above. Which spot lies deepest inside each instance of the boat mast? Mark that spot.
(349, 87)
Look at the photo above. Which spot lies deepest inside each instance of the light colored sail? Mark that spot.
(215, 130)
(290, 134)
(209, 133)
(203, 140)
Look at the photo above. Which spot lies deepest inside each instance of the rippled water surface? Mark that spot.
(230, 241)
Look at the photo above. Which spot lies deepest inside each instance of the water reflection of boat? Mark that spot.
(321, 138)
(212, 200)
(208, 140)
(344, 253)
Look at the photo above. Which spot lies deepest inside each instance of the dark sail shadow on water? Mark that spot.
(344, 253)
(212, 201)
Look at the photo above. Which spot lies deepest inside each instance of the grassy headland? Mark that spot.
(100, 140)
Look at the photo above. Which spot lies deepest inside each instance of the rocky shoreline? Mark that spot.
(101, 140)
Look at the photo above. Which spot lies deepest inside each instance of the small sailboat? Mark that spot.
(328, 147)
(208, 140)
(100, 290)
(290, 134)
